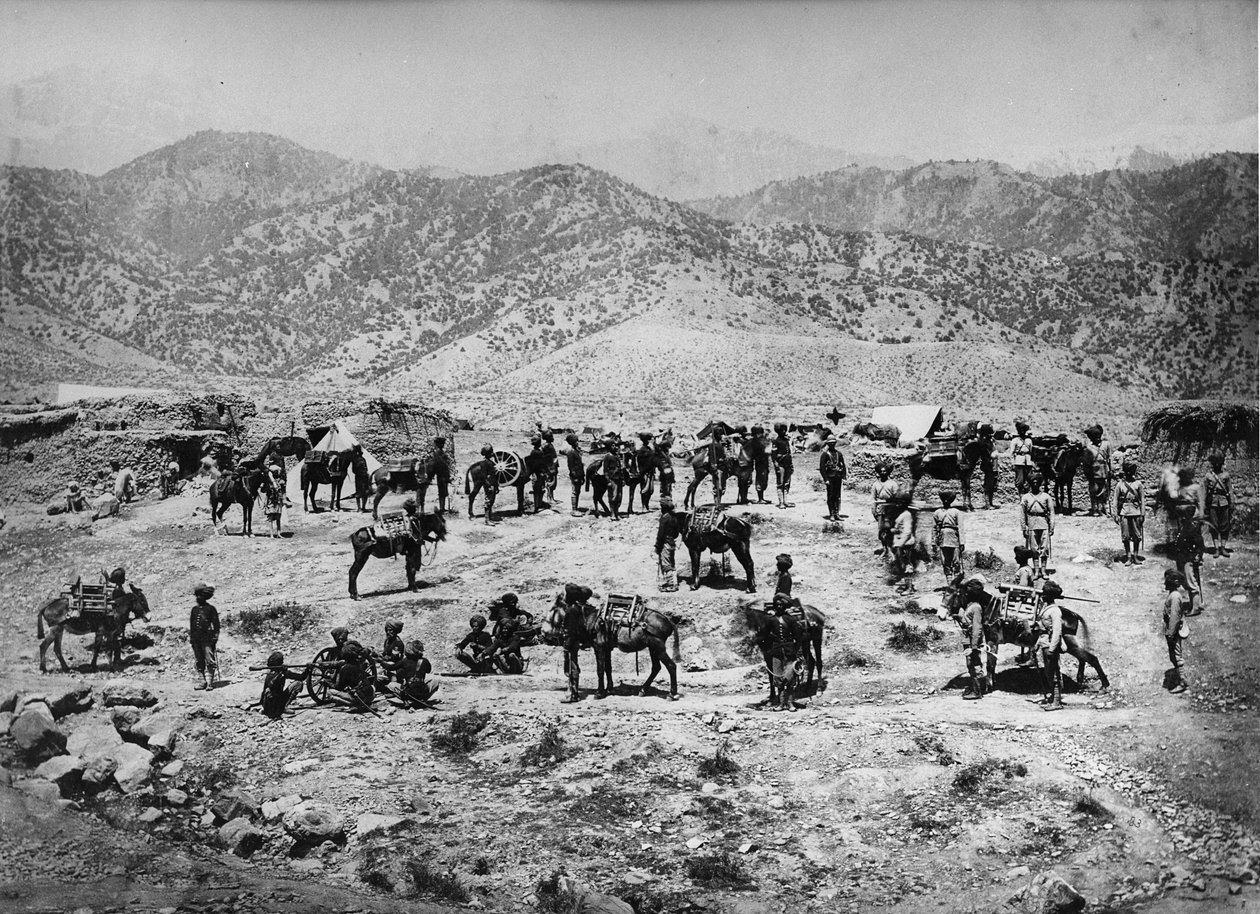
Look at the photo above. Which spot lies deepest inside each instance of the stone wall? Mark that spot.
(43, 450)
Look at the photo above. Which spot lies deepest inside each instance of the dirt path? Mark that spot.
(885, 790)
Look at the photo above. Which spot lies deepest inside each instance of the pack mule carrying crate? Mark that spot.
(88, 599)
(622, 610)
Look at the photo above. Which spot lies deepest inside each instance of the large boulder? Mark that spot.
(39, 789)
(235, 804)
(121, 692)
(371, 823)
(134, 766)
(1049, 893)
(240, 837)
(591, 902)
(94, 741)
(308, 823)
(98, 773)
(157, 731)
(37, 735)
(72, 698)
(66, 771)
(35, 700)
(105, 506)
(9, 700)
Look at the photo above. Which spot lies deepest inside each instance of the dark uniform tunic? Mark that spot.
(781, 454)
(667, 531)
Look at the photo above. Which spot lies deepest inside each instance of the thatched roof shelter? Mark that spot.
(1195, 429)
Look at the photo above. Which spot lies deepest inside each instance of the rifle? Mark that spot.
(1004, 588)
(292, 666)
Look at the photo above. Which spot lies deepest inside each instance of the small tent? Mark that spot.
(913, 421)
(337, 438)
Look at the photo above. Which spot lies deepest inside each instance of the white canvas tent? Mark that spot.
(913, 421)
(337, 438)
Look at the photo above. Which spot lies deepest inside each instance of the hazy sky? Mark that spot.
(941, 77)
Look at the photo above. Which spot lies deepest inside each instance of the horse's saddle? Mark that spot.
(621, 611)
(707, 518)
(402, 465)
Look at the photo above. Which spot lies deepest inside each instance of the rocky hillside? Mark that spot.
(247, 255)
(1204, 209)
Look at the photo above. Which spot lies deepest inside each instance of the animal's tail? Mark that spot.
(1082, 630)
(677, 654)
(468, 481)
(39, 621)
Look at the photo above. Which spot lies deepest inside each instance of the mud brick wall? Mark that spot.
(388, 429)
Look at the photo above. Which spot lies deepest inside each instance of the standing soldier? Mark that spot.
(979, 621)
(883, 493)
(1022, 456)
(489, 481)
(1130, 502)
(948, 530)
(1097, 465)
(760, 449)
(552, 463)
(988, 464)
(742, 457)
(643, 463)
(1049, 645)
(577, 471)
(203, 636)
(1187, 546)
(439, 469)
(537, 466)
(667, 531)
(717, 462)
(1218, 497)
(1037, 522)
(124, 482)
(362, 479)
(832, 469)
(781, 452)
(783, 565)
(1176, 629)
(665, 467)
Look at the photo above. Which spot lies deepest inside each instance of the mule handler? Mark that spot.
(203, 635)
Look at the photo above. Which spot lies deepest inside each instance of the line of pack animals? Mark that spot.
(789, 633)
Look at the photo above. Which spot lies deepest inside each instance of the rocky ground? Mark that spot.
(885, 790)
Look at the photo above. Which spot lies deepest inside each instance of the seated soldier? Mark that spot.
(276, 695)
(412, 672)
(75, 499)
(340, 636)
(508, 607)
(472, 650)
(352, 676)
(505, 647)
(392, 651)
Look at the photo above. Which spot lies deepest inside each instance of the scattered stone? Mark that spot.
(1017, 872)
(241, 837)
(94, 741)
(1050, 894)
(6, 721)
(175, 797)
(696, 657)
(1238, 598)
(235, 804)
(695, 842)
(372, 823)
(37, 734)
(125, 717)
(300, 765)
(308, 823)
(747, 847)
(66, 771)
(35, 701)
(73, 698)
(133, 766)
(39, 789)
(709, 787)
(150, 815)
(776, 802)
(121, 692)
(157, 731)
(98, 772)
(274, 809)
(173, 768)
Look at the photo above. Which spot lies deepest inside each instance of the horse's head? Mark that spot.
(139, 604)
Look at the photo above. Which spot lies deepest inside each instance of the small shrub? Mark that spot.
(912, 639)
(463, 733)
(720, 765)
(717, 869)
(988, 561)
(852, 658)
(605, 803)
(481, 867)
(1086, 805)
(552, 898)
(213, 778)
(549, 749)
(284, 616)
(428, 881)
(971, 777)
(931, 744)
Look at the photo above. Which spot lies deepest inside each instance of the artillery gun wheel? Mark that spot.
(320, 681)
(508, 467)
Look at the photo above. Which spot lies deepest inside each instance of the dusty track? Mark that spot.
(848, 803)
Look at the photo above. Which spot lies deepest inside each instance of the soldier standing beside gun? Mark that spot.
(832, 469)
(1021, 457)
(1037, 522)
(577, 471)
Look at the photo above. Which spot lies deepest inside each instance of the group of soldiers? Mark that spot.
(403, 671)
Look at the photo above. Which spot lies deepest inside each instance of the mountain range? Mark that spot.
(248, 255)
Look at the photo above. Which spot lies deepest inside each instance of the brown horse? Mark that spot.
(606, 483)
(785, 673)
(809, 641)
(330, 470)
(577, 627)
(108, 627)
(701, 469)
(733, 533)
(239, 487)
(413, 549)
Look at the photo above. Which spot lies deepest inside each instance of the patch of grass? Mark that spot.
(212, 778)
(715, 807)
(720, 764)
(932, 744)
(972, 776)
(286, 615)
(1086, 805)
(463, 733)
(912, 639)
(605, 804)
(649, 900)
(552, 897)
(549, 749)
(987, 561)
(852, 658)
(428, 881)
(481, 867)
(718, 869)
